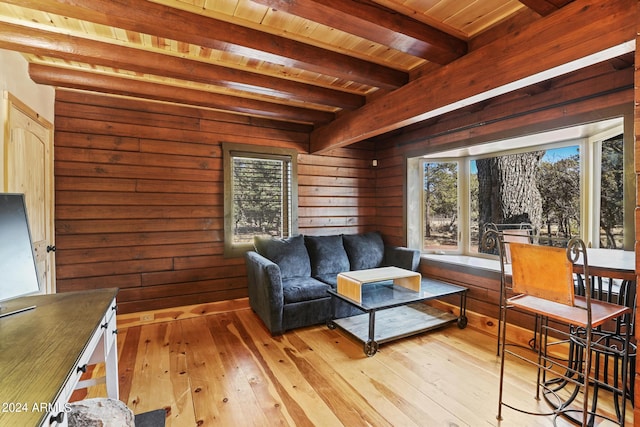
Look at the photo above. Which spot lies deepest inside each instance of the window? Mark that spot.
(565, 183)
(440, 205)
(610, 177)
(540, 187)
(260, 195)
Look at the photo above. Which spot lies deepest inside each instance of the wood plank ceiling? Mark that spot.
(300, 61)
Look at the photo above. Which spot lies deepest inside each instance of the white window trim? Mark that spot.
(590, 153)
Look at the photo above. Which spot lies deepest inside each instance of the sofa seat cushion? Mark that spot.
(327, 255)
(364, 250)
(298, 289)
(329, 279)
(290, 254)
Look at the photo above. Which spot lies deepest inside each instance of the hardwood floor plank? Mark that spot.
(456, 382)
(226, 369)
(157, 382)
(386, 391)
(299, 398)
(181, 412)
(208, 380)
(127, 354)
(241, 372)
(342, 397)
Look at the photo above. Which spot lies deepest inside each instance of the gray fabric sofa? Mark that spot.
(288, 278)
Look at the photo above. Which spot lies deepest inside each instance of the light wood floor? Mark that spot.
(226, 370)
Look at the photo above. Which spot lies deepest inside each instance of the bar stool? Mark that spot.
(496, 238)
(543, 279)
(617, 288)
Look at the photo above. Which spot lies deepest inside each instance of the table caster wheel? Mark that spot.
(370, 348)
(462, 322)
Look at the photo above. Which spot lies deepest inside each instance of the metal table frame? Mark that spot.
(402, 310)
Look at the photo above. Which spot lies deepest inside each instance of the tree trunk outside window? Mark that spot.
(508, 190)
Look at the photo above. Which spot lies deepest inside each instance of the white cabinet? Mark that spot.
(44, 351)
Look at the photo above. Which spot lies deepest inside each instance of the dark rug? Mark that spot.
(151, 419)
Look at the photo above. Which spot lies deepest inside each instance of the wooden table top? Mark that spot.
(40, 348)
(379, 274)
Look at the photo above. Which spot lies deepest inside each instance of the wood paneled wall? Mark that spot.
(139, 188)
(596, 93)
(336, 192)
(139, 197)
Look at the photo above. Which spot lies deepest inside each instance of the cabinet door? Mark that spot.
(28, 169)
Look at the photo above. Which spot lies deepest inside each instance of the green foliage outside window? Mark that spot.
(559, 183)
(537, 187)
(441, 204)
(260, 198)
(611, 193)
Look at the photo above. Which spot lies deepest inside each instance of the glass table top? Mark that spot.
(379, 295)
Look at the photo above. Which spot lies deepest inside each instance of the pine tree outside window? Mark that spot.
(562, 184)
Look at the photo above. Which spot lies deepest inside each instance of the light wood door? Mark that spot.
(28, 169)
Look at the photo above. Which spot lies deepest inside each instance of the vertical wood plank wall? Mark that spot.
(139, 197)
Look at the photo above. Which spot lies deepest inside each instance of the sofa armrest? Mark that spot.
(265, 290)
(398, 256)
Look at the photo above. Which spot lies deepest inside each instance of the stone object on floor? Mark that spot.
(100, 412)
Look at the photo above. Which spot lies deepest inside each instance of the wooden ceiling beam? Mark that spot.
(156, 19)
(104, 83)
(578, 30)
(371, 21)
(595, 82)
(62, 46)
(545, 7)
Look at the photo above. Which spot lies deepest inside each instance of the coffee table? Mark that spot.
(399, 296)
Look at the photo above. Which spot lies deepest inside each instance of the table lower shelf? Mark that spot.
(395, 323)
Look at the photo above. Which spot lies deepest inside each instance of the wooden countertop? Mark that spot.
(40, 349)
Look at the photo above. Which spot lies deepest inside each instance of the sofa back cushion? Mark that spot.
(364, 250)
(327, 255)
(290, 254)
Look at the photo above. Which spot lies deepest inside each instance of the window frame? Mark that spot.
(585, 160)
(462, 185)
(229, 152)
(589, 149)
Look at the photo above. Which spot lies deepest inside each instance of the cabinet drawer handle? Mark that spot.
(82, 368)
(115, 332)
(105, 325)
(57, 418)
